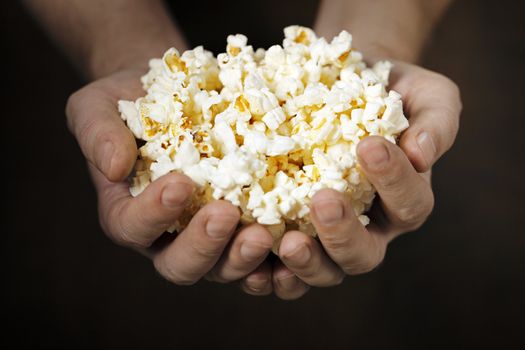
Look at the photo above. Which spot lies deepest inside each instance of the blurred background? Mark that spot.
(459, 282)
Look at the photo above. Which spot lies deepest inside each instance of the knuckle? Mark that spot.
(103, 219)
(411, 218)
(109, 211)
(451, 86)
(103, 222)
(456, 92)
(98, 134)
(227, 271)
(330, 280)
(391, 179)
(71, 104)
(336, 242)
(127, 240)
(90, 135)
(120, 232)
(171, 273)
(443, 80)
(358, 268)
(450, 127)
(232, 271)
(298, 259)
(453, 124)
(452, 109)
(85, 132)
(207, 250)
(459, 100)
(367, 263)
(310, 272)
(362, 266)
(333, 280)
(154, 222)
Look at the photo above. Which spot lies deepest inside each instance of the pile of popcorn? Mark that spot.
(264, 129)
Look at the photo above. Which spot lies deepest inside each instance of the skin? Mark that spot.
(401, 175)
(111, 55)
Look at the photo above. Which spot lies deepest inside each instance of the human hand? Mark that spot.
(401, 176)
(139, 222)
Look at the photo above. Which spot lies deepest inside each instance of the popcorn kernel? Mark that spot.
(263, 129)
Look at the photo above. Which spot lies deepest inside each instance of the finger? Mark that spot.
(105, 140)
(406, 197)
(344, 238)
(433, 105)
(286, 284)
(248, 250)
(139, 221)
(194, 252)
(258, 282)
(304, 256)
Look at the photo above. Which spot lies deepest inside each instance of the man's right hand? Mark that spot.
(139, 222)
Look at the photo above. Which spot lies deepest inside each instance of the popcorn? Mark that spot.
(264, 130)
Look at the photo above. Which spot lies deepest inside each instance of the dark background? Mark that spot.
(459, 282)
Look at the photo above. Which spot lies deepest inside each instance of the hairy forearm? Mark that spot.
(103, 36)
(394, 28)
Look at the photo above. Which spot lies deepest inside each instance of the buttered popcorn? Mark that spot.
(264, 129)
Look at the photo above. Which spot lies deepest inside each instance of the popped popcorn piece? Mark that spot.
(264, 129)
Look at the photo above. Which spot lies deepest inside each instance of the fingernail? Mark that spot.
(299, 255)
(252, 251)
(427, 147)
(257, 285)
(175, 194)
(329, 212)
(220, 226)
(289, 282)
(376, 157)
(106, 157)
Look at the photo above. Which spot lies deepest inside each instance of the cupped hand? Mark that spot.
(206, 245)
(401, 176)
(212, 246)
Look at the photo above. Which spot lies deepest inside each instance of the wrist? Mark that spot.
(130, 35)
(374, 46)
(103, 62)
(107, 58)
(375, 51)
(382, 28)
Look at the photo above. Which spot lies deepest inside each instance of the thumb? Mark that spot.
(105, 141)
(432, 103)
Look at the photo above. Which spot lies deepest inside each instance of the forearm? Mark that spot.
(104, 36)
(394, 28)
